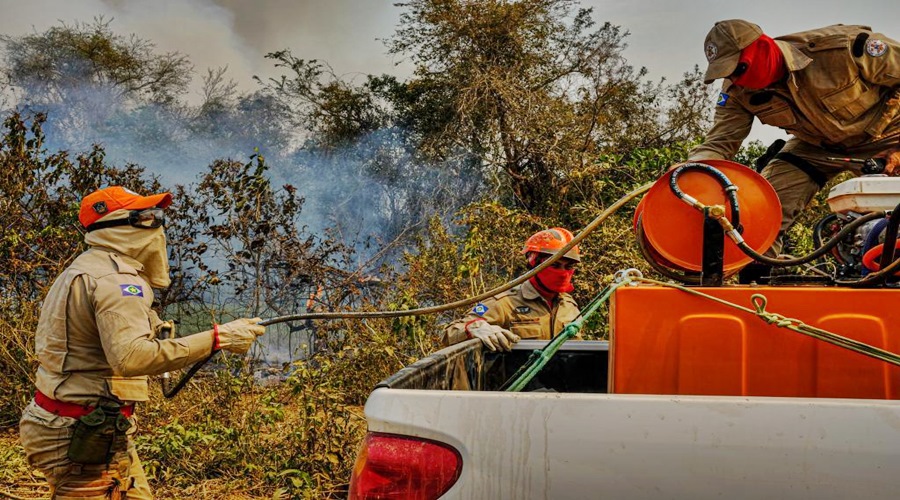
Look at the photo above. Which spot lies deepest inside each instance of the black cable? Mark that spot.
(168, 394)
(187, 377)
(872, 279)
(728, 186)
(833, 242)
(819, 230)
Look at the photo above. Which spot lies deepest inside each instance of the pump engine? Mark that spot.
(857, 254)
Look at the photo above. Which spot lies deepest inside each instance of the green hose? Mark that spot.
(539, 358)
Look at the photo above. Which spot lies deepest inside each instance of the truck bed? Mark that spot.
(577, 367)
(565, 440)
(693, 401)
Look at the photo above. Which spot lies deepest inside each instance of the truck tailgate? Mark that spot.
(558, 446)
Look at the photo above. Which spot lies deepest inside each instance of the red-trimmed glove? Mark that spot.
(493, 336)
(238, 335)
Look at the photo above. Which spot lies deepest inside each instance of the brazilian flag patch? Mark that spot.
(723, 98)
(132, 290)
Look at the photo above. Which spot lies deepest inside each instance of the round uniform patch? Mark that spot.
(712, 50)
(876, 47)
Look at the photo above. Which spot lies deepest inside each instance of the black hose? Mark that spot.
(833, 242)
(819, 227)
(188, 375)
(728, 186)
(872, 279)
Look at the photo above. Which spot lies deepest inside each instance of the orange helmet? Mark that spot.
(549, 241)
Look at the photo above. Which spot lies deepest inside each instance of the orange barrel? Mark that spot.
(673, 230)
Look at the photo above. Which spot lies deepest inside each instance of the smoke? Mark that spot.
(234, 33)
(367, 195)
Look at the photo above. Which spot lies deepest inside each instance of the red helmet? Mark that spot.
(549, 241)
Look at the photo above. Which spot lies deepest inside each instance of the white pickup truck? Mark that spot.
(690, 399)
(702, 403)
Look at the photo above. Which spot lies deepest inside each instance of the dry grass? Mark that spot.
(215, 470)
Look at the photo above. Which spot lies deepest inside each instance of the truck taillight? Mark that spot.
(402, 467)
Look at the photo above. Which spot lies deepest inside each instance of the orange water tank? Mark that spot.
(691, 345)
(673, 230)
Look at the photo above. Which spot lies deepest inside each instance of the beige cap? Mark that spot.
(724, 44)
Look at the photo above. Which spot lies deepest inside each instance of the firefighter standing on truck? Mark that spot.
(97, 342)
(835, 89)
(536, 309)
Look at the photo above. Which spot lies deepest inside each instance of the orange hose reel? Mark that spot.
(673, 230)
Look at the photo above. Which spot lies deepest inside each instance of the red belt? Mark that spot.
(71, 410)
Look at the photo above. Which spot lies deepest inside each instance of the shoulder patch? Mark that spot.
(132, 290)
(480, 309)
(876, 47)
(723, 99)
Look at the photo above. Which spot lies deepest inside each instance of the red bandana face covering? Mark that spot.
(556, 280)
(765, 64)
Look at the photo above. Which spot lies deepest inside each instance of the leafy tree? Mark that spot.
(240, 234)
(51, 67)
(534, 89)
(333, 111)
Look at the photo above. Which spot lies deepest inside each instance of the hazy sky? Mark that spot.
(666, 36)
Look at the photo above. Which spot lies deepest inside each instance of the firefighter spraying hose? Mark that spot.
(731, 227)
(594, 224)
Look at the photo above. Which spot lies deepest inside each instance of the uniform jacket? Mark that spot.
(96, 336)
(521, 310)
(842, 90)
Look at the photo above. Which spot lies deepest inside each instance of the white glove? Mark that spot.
(492, 336)
(238, 335)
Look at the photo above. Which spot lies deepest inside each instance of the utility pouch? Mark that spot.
(95, 434)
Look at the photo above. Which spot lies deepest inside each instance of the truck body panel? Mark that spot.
(690, 399)
(559, 446)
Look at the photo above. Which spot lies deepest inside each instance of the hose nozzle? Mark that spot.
(870, 166)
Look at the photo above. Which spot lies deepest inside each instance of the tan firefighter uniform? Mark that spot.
(522, 311)
(841, 97)
(96, 341)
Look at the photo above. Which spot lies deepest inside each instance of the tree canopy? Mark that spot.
(318, 192)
